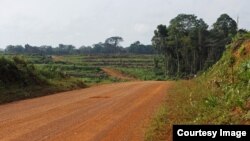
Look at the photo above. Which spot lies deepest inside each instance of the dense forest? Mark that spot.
(110, 46)
(189, 45)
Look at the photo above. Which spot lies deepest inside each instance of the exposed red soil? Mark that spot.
(117, 74)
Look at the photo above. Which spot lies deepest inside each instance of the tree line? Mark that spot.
(189, 45)
(110, 46)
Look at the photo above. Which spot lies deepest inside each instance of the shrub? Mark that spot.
(18, 72)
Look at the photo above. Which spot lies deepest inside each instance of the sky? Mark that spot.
(85, 22)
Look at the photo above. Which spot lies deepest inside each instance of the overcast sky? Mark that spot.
(85, 22)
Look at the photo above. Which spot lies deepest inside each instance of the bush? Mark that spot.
(244, 72)
(16, 71)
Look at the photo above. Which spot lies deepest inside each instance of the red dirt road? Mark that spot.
(112, 112)
(117, 74)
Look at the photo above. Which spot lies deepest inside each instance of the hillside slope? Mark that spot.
(230, 79)
(221, 95)
(22, 80)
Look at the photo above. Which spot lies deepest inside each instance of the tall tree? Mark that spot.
(112, 44)
(159, 41)
(138, 48)
(225, 25)
(188, 46)
(221, 34)
(186, 35)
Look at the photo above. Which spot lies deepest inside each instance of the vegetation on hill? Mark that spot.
(20, 80)
(220, 95)
(17, 71)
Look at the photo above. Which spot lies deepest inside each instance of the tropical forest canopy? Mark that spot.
(189, 45)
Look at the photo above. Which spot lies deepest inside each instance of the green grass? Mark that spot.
(157, 127)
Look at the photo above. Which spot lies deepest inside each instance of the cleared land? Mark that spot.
(108, 112)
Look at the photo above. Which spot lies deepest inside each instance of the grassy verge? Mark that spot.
(194, 102)
(157, 127)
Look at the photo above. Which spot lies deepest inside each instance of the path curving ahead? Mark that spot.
(117, 74)
(112, 112)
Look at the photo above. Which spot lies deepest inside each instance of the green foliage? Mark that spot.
(20, 80)
(236, 90)
(226, 26)
(244, 72)
(52, 73)
(211, 101)
(18, 71)
(231, 95)
(138, 48)
(189, 47)
(110, 46)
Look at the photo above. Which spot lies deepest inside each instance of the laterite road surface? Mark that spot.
(112, 112)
